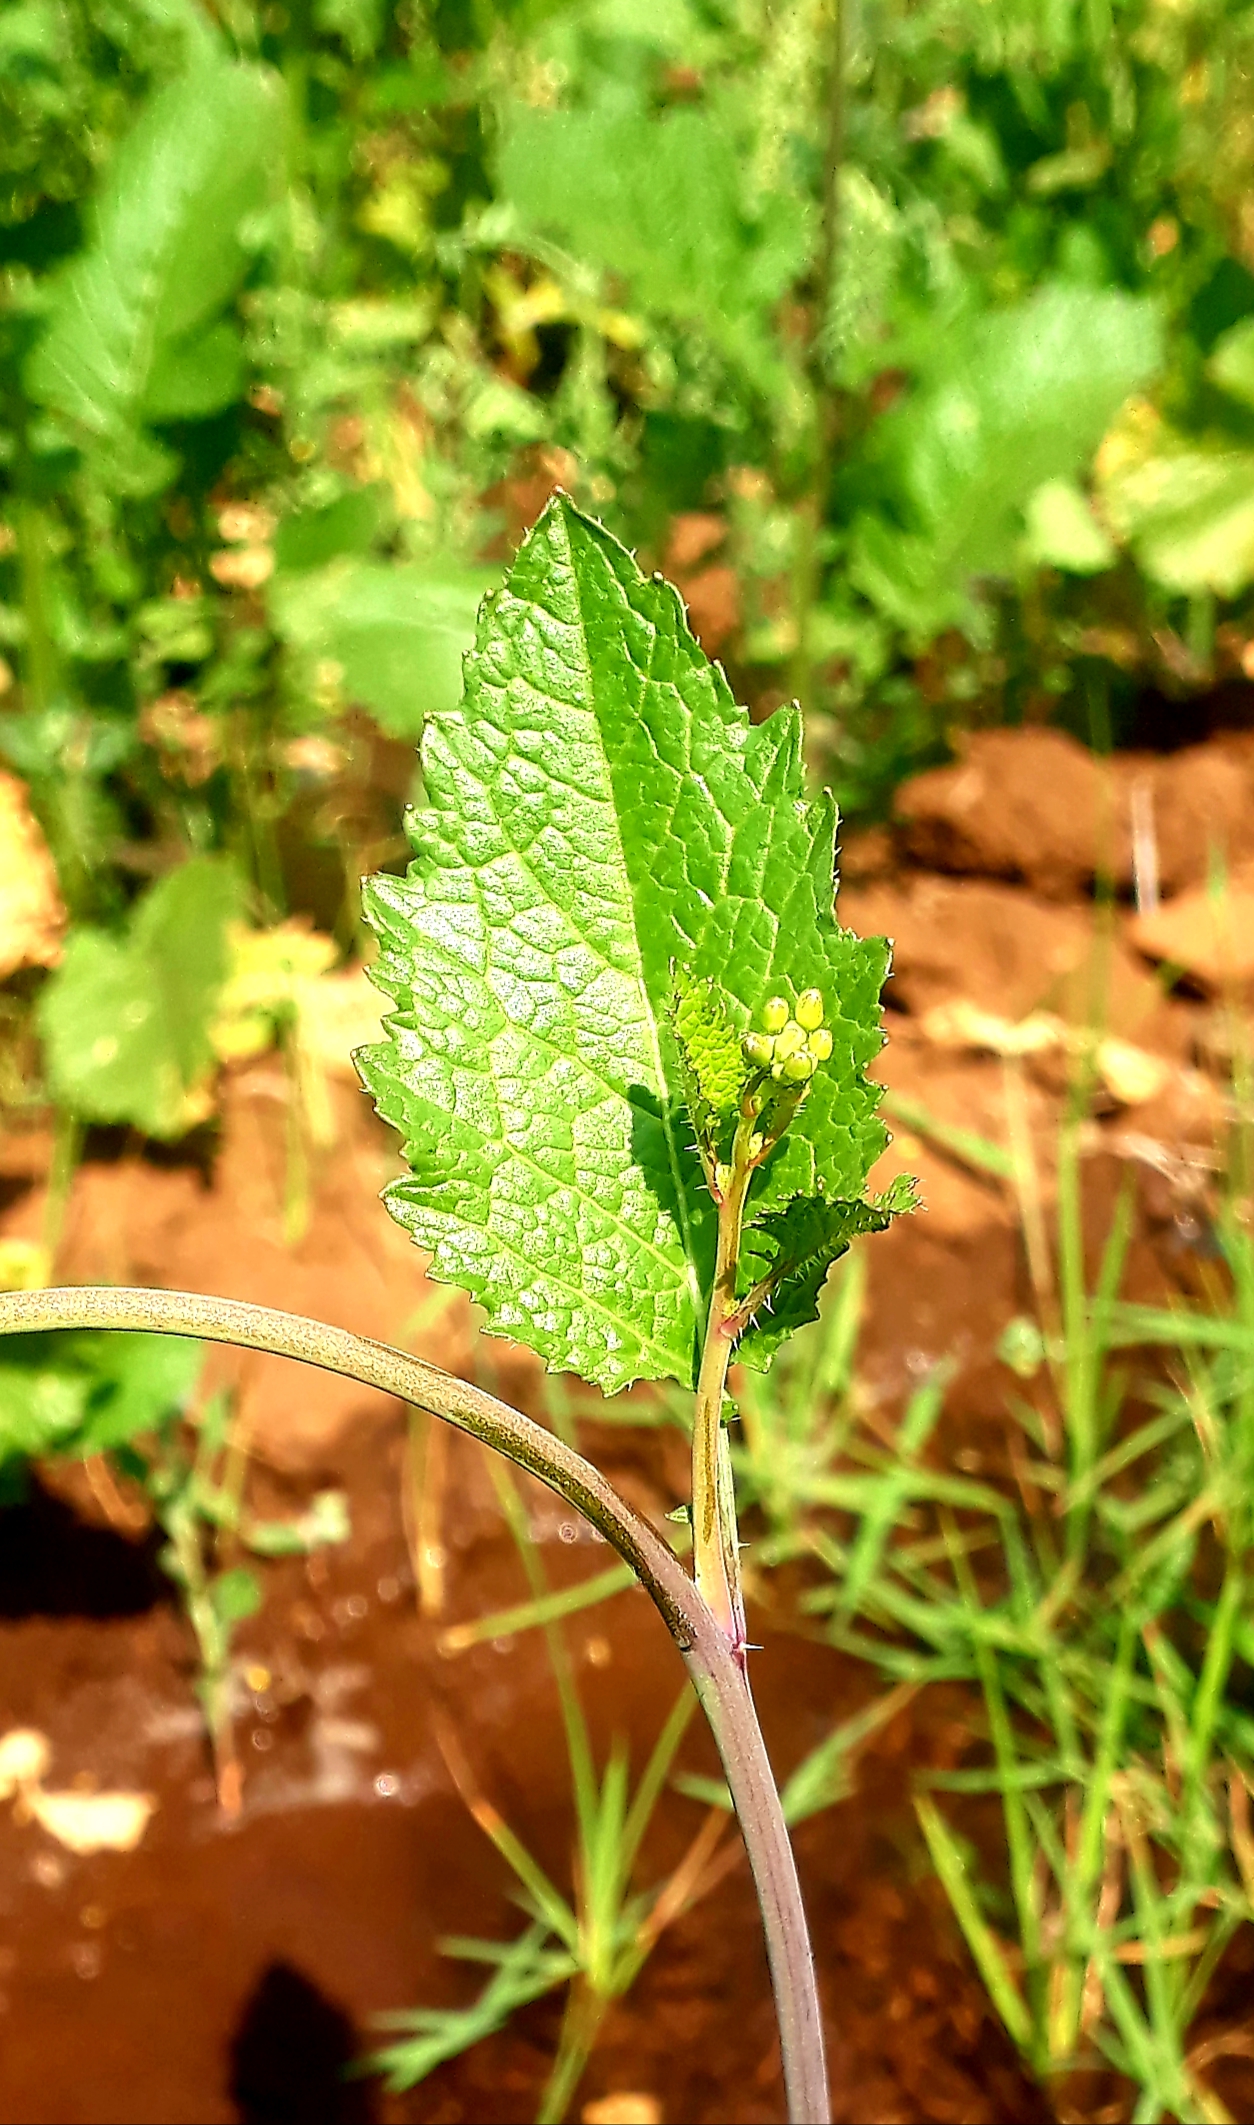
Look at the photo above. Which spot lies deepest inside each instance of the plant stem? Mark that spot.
(67, 1143)
(715, 1540)
(715, 1548)
(40, 665)
(586, 2009)
(716, 1675)
(185, 1537)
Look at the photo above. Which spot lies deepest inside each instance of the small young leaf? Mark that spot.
(787, 1253)
(600, 811)
(236, 1595)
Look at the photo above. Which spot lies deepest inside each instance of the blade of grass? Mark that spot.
(986, 1949)
(529, 1615)
(969, 1148)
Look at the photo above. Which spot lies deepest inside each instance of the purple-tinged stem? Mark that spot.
(711, 1661)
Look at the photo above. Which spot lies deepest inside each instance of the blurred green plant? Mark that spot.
(935, 320)
(130, 1400)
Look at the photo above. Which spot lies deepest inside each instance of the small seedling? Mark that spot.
(628, 1060)
(197, 1501)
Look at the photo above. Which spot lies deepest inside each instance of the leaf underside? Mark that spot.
(600, 812)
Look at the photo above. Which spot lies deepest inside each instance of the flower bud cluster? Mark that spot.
(792, 1044)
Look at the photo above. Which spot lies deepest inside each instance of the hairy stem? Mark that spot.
(719, 1683)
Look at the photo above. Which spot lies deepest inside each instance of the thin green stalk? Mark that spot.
(39, 672)
(526, 1615)
(951, 1868)
(67, 1144)
(586, 2009)
(578, 1746)
(1213, 1680)
(715, 1546)
(811, 514)
(1079, 1881)
(184, 1533)
(1014, 1811)
(716, 1674)
(296, 1189)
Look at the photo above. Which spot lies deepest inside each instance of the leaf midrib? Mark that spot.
(677, 1170)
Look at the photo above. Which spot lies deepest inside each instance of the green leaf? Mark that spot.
(1231, 365)
(326, 1523)
(359, 22)
(1189, 517)
(41, 1404)
(125, 1021)
(791, 1250)
(139, 1383)
(349, 525)
(194, 377)
(396, 634)
(136, 329)
(869, 246)
(85, 1393)
(236, 1595)
(1062, 531)
(1020, 397)
(600, 810)
(657, 201)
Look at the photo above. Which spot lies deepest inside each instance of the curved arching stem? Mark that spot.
(721, 1687)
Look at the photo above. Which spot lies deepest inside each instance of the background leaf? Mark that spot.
(136, 331)
(1018, 398)
(397, 633)
(126, 1020)
(658, 202)
(82, 1394)
(1189, 515)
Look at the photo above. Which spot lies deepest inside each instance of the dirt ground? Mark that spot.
(230, 1971)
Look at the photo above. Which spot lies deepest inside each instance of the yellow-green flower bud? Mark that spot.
(758, 1049)
(798, 1069)
(820, 1044)
(810, 1009)
(790, 1042)
(775, 1015)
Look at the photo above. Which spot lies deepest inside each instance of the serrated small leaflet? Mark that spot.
(599, 813)
(786, 1254)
